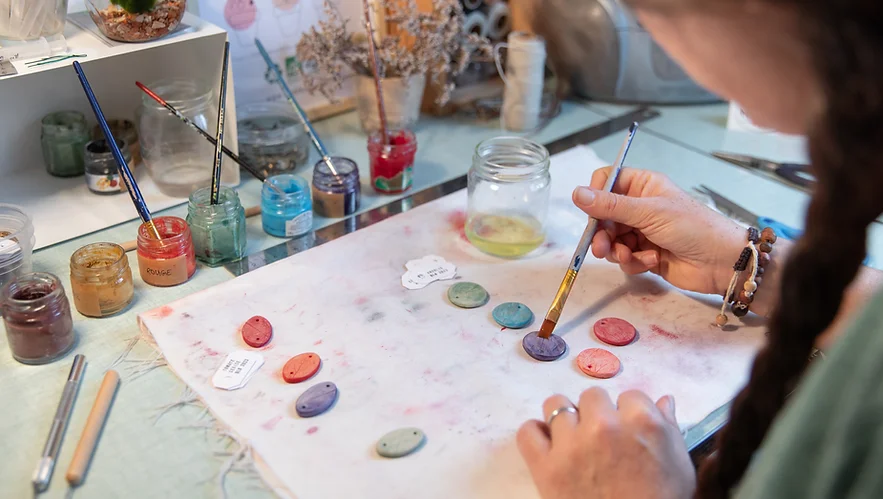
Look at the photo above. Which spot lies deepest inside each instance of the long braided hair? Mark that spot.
(845, 38)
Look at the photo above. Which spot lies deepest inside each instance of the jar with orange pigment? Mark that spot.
(169, 261)
(101, 279)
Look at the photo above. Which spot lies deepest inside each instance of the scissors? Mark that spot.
(791, 174)
(740, 213)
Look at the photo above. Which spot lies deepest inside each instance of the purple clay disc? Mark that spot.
(544, 349)
(318, 399)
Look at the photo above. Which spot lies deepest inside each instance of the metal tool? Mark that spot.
(794, 175)
(738, 212)
(43, 473)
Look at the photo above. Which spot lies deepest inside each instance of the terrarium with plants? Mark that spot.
(136, 20)
(418, 46)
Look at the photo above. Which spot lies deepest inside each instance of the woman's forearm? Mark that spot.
(866, 282)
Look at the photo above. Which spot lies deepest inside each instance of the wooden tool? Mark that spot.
(251, 211)
(582, 248)
(95, 422)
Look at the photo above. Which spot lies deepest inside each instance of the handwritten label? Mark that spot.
(165, 272)
(237, 369)
(299, 224)
(427, 270)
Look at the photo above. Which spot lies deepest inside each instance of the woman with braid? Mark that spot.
(810, 67)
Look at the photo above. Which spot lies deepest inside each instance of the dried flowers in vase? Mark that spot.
(424, 43)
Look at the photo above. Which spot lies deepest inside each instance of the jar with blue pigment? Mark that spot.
(288, 213)
(218, 230)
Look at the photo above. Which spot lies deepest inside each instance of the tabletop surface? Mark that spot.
(157, 444)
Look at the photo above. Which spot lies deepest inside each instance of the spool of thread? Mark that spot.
(476, 23)
(499, 21)
(524, 78)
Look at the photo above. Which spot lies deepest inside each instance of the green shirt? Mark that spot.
(828, 441)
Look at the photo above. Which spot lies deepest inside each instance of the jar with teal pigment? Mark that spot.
(288, 211)
(218, 230)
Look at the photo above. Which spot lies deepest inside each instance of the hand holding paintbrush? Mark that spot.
(125, 172)
(543, 345)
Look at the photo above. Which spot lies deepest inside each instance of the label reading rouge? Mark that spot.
(166, 272)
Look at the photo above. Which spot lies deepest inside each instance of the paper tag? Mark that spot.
(427, 270)
(163, 272)
(237, 369)
(299, 224)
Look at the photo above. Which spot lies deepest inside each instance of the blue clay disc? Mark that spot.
(318, 399)
(513, 315)
(468, 295)
(544, 349)
(401, 442)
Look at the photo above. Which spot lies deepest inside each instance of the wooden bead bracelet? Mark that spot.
(754, 257)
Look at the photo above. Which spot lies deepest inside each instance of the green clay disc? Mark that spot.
(513, 315)
(401, 442)
(468, 295)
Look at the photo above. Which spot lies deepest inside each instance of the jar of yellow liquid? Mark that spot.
(509, 186)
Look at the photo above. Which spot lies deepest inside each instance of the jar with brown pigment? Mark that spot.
(101, 279)
(37, 316)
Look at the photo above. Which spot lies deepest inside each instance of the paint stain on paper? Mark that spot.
(313, 429)
(163, 312)
(270, 424)
(457, 222)
(662, 332)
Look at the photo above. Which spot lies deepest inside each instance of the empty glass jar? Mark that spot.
(178, 158)
(509, 187)
(63, 138)
(218, 229)
(272, 138)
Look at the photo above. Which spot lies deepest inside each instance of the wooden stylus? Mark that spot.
(86, 447)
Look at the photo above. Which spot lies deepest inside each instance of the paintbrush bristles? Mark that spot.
(547, 328)
(222, 106)
(378, 86)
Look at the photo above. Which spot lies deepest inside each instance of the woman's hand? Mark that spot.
(633, 449)
(649, 224)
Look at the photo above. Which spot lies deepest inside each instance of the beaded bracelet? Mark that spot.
(755, 256)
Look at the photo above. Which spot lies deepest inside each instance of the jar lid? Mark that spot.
(268, 124)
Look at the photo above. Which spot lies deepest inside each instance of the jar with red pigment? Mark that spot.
(37, 316)
(392, 164)
(168, 261)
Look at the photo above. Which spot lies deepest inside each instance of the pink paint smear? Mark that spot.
(662, 332)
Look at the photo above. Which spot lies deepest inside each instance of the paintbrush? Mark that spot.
(372, 51)
(125, 172)
(219, 140)
(300, 112)
(187, 121)
(582, 248)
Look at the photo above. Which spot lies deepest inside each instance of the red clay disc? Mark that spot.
(257, 331)
(301, 367)
(598, 363)
(613, 331)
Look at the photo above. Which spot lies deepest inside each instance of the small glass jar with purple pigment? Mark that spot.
(336, 196)
(37, 316)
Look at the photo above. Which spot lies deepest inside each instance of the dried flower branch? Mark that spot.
(431, 43)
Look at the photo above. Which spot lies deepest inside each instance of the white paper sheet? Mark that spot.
(409, 358)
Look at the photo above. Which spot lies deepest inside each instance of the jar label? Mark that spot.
(104, 183)
(300, 224)
(166, 272)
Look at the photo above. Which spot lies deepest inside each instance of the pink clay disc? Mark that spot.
(257, 331)
(598, 363)
(613, 331)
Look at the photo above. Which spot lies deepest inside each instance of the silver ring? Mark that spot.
(559, 410)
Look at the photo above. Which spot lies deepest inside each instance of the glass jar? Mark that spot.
(16, 242)
(289, 214)
(37, 315)
(101, 279)
(169, 261)
(336, 196)
(137, 26)
(272, 138)
(122, 129)
(218, 229)
(179, 159)
(392, 165)
(102, 171)
(63, 138)
(32, 19)
(509, 186)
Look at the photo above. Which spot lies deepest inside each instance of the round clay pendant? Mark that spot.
(401, 442)
(316, 400)
(613, 331)
(598, 363)
(544, 349)
(257, 331)
(301, 367)
(468, 295)
(513, 315)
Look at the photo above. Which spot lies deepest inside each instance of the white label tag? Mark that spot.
(427, 270)
(237, 369)
(103, 183)
(299, 224)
